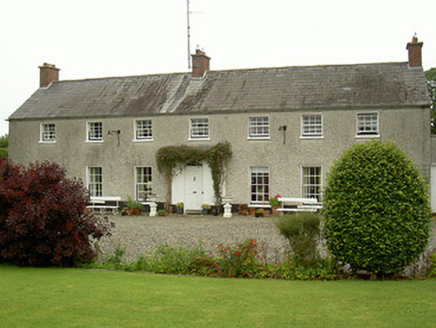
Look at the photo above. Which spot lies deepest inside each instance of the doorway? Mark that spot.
(193, 186)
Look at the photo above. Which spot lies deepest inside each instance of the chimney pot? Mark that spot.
(415, 52)
(48, 73)
(200, 63)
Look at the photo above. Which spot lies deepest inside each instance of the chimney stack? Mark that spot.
(47, 74)
(414, 48)
(200, 63)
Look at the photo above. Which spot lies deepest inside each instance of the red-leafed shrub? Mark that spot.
(42, 217)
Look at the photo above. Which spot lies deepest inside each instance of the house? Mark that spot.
(286, 126)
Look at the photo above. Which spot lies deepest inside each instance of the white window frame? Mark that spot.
(371, 132)
(47, 136)
(148, 130)
(143, 187)
(310, 128)
(89, 130)
(95, 186)
(308, 186)
(257, 126)
(195, 127)
(259, 190)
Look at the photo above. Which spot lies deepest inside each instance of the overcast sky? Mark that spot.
(100, 38)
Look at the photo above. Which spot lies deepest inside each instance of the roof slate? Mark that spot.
(263, 89)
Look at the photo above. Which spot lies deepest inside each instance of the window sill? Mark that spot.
(259, 138)
(94, 141)
(143, 140)
(367, 136)
(198, 139)
(311, 137)
(47, 142)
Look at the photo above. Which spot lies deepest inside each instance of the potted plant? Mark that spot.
(275, 204)
(135, 207)
(125, 211)
(251, 210)
(179, 207)
(161, 212)
(259, 213)
(242, 209)
(205, 208)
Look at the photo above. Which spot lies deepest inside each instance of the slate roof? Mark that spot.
(383, 85)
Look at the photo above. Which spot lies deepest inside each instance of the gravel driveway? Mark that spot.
(137, 234)
(141, 233)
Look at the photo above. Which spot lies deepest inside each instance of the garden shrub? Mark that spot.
(42, 217)
(302, 230)
(376, 209)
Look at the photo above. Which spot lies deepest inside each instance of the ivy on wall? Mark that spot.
(173, 159)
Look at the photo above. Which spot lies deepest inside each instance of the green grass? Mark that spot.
(93, 298)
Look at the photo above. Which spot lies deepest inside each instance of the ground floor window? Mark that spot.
(259, 188)
(143, 183)
(312, 182)
(95, 181)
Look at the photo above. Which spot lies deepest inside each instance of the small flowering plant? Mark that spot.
(274, 201)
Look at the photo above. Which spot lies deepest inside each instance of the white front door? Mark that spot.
(193, 187)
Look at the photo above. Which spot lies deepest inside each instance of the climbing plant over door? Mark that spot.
(174, 158)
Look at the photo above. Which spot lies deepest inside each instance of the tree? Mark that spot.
(376, 209)
(431, 82)
(42, 217)
(4, 142)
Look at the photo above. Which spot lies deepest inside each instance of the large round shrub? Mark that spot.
(42, 217)
(376, 209)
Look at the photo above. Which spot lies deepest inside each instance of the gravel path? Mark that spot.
(138, 234)
(141, 233)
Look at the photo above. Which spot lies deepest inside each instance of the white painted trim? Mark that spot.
(262, 137)
(41, 141)
(88, 130)
(368, 135)
(301, 179)
(190, 138)
(135, 167)
(134, 130)
(313, 136)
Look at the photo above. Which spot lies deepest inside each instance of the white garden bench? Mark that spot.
(300, 204)
(99, 203)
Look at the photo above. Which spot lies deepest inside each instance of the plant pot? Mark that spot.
(251, 211)
(266, 214)
(134, 211)
(275, 211)
(179, 210)
(258, 215)
(204, 211)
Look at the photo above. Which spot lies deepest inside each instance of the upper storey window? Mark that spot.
(48, 132)
(311, 125)
(368, 124)
(95, 131)
(199, 128)
(258, 127)
(143, 130)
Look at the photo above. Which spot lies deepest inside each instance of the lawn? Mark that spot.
(92, 298)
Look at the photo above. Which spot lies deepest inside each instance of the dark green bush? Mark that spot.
(376, 209)
(302, 231)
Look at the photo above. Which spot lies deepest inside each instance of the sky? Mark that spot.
(101, 38)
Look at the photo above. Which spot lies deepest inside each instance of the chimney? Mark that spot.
(414, 47)
(47, 74)
(200, 63)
